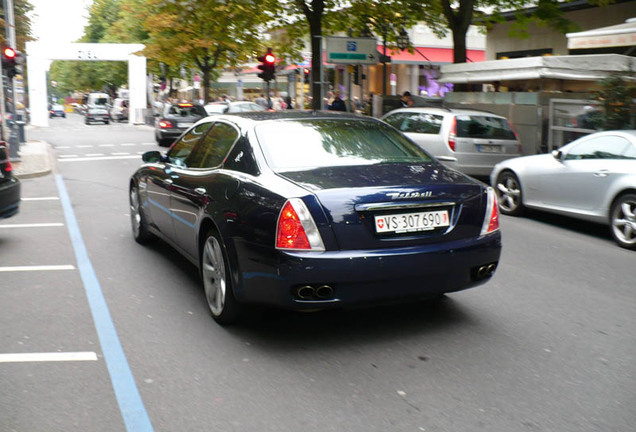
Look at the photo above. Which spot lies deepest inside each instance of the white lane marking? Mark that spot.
(36, 268)
(48, 357)
(62, 147)
(41, 199)
(128, 144)
(33, 225)
(69, 156)
(120, 153)
(84, 146)
(94, 154)
(106, 145)
(85, 159)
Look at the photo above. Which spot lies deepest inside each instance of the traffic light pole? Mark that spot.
(14, 142)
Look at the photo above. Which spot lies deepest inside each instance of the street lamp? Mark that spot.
(403, 41)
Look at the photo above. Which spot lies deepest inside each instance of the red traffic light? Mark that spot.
(270, 58)
(9, 53)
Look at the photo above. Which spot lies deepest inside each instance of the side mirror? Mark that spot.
(558, 154)
(152, 156)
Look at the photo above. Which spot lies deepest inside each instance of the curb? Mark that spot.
(35, 160)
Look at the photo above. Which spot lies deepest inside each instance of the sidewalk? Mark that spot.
(34, 161)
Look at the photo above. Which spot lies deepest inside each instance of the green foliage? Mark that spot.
(618, 99)
(21, 11)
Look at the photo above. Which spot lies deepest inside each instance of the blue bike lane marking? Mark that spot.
(131, 406)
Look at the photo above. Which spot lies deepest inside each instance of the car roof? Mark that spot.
(253, 117)
(445, 111)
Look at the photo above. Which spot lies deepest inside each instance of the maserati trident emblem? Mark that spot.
(408, 195)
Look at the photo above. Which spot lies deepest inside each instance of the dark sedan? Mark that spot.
(9, 185)
(309, 211)
(176, 119)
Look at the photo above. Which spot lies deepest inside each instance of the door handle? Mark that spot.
(200, 191)
(168, 181)
(601, 173)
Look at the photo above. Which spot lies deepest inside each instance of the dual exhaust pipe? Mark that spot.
(483, 272)
(308, 292)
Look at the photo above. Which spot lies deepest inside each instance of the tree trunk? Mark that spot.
(206, 85)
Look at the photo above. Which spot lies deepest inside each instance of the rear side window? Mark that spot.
(414, 122)
(186, 110)
(484, 127)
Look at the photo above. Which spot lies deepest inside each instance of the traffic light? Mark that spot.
(9, 57)
(306, 73)
(268, 66)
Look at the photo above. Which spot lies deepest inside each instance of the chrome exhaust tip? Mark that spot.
(324, 292)
(306, 292)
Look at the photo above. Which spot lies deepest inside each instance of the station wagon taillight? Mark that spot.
(452, 134)
(296, 229)
(165, 124)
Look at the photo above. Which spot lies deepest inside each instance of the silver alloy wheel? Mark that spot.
(135, 214)
(624, 221)
(508, 192)
(213, 271)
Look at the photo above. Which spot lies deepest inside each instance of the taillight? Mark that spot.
(491, 218)
(512, 128)
(165, 124)
(452, 134)
(8, 167)
(296, 229)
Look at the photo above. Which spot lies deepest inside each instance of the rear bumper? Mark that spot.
(9, 197)
(169, 133)
(361, 277)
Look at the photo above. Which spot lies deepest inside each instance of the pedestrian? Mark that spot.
(288, 102)
(337, 104)
(260, 100)
(406, 99)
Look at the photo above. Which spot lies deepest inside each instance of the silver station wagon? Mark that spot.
(469, 141)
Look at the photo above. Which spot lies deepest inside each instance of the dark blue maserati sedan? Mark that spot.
(314, 210)
(9, 185)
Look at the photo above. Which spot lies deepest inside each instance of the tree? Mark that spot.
(617, 96)
(21, 11)
(206, 34)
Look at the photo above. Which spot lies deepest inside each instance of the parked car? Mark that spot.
(57, 110)
(119, 110)
(232, 107)
(468, 140)
(592, 178)
(9, 185)
(393, 102)
(314, 210)
(176, 119)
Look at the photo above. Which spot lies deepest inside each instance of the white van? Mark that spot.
(97, 106)
(119, 111)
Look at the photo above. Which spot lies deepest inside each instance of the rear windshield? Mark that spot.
(484, 127)
(186, 111)
(304, 144)
(414, 122)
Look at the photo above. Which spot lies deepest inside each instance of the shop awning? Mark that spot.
(604, 37)
(591, 67)
(428, 55)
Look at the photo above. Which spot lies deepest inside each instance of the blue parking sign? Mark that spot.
(352, 46)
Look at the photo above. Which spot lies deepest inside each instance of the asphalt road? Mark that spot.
(548, 345)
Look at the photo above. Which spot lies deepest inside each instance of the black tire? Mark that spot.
(138, 222)
(106, 122)
(86, 122)
(509, 193)
(217, 283)
(623, 220)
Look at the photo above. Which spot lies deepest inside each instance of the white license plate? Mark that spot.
(184, 125)
(490, 149)
(411, 222)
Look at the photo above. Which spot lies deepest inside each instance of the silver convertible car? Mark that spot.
(592, 178)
